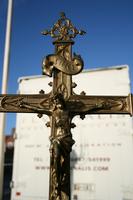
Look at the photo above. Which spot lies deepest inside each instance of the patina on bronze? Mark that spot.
(62, 104)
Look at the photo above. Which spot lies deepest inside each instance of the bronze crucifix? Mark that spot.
(62, 104)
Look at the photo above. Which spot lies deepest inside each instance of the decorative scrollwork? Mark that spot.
(25, 103)
(63, 29)
(11, 103)
(68, 67)
(80, 104)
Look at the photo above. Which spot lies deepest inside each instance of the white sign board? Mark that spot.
(101, 160)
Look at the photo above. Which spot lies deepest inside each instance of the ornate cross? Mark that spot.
(62, 104)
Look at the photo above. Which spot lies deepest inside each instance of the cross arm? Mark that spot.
(38, 103)
(82, 105)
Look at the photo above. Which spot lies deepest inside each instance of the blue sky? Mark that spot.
(108, 42)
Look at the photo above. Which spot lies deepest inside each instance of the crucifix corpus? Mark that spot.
(62, 104)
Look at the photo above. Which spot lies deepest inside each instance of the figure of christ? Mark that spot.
(61, 145)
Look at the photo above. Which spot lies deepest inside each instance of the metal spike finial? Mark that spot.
(63, 29)
(62, 15)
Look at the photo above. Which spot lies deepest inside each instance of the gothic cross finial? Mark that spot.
(63, 29)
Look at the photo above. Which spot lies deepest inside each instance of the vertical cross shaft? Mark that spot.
(61, 137)
(60, 121)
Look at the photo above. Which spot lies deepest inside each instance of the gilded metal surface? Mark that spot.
(61, 105)
(76, 104)
(25, 103)
(60, 148)
(79, 104)
(63, 29)
(70, 67)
